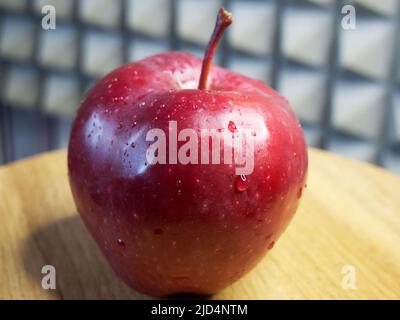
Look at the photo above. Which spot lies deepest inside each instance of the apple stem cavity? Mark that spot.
(224, 20)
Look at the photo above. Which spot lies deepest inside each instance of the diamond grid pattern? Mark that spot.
(343, 84)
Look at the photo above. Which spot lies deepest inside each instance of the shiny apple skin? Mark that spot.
(176, 228)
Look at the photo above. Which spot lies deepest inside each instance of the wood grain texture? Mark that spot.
(349, 215)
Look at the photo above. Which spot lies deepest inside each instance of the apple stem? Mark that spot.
(224, 20)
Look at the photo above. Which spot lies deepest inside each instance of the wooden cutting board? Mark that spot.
(346, 233)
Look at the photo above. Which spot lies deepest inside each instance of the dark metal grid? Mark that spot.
(44, 123)
(382, 142)
(5, 115)
(277, 56)
(173, 33)
(123, 18)
(50, 124)
(331, 76)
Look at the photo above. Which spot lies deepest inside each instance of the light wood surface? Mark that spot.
(349, 215)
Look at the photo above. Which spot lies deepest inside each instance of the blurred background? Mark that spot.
(343, 84)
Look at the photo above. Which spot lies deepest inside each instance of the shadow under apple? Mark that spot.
(81, 270)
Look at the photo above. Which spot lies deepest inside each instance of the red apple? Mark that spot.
(174, 227)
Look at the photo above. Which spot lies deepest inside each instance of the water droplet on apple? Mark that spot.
(179, 192)
(271, 245)
(121, 244)
(241, 183)
(253, 133)
(178, 183)
(120, 98)
(299, 192)
(232, 126)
